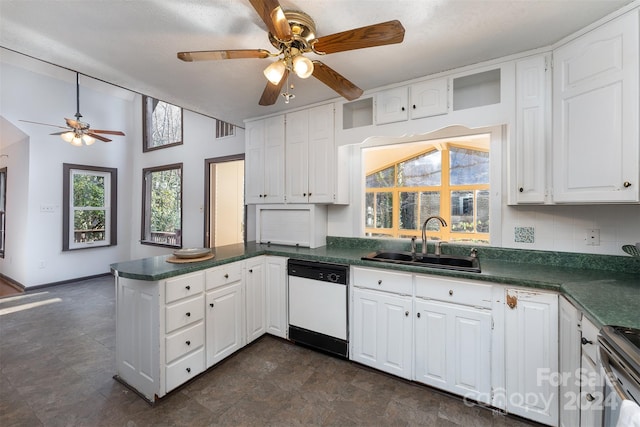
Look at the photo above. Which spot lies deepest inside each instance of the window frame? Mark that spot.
(146, 199)
(3, 210)
(147, 124)
(111, 206)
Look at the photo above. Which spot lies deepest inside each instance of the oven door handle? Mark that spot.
(606, 361)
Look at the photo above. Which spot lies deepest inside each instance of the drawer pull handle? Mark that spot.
(379, 282)
(590, 397)
(226, 276)
(189, 370)
(188, 314)
(188, 343)
(451, 292)
(188, 287)
(210, 304)
(418, 315)
(585, 341)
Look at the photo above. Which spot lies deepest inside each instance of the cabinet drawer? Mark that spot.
(589, 339)
(383, 280)
(184, 313)
(184, 369)
(183, 286)
(223, 275)
(454, 291)
(183, 342)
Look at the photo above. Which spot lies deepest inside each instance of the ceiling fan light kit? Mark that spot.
(293, 33)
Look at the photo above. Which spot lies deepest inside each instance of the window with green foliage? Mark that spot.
(162, 124)
(162, 205)
(89, 206)
(451, 181)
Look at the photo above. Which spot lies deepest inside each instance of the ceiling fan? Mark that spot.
(293, 33)
(77, 132)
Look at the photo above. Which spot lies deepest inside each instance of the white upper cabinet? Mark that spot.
(528, 159)
(595, 109)
(424, 99)
(310, 155)
(264, 161)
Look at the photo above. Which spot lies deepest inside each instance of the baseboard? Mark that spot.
(19, 286)
(64, 282)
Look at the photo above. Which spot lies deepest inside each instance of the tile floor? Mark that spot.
(57, 362)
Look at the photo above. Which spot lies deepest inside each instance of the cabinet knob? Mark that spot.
(309, 194)
(414, 106)
(250, 270)
(260, 195)
(402, 108)
(585, 341)
(226, 276)
(521, 190)
(188, 342)
(211, 304)
(380, 282)
(626, 184)
(304, 194)
(451, 292)
(406, 313)
(188, 314)
(187, 287)
(418, 315)
(189, 370)
(589, 397)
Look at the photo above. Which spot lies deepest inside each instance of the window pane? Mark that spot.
(482, 201)
(462, 211)
(429, 206)
(163, 223)
(408, 211)
(163, 123)
(381, 179)
(88, 190)
(378, 210)
(421, 171)
(468, 166)
(88, 226)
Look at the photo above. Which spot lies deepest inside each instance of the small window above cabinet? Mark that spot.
(423, 99)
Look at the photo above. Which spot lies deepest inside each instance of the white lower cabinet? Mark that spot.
(275, 269)
(569, 348)
(225, 331)
(382, 331)
(531, 355)
(255, 298)
(453, 348)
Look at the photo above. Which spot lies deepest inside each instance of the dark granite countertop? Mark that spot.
(606, 288)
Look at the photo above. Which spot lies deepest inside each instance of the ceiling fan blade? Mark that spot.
(272, 92)
(373, 35)
(210, 55)
(60, 133)
(98, 137)
(273, 16)
(45, 124)
(335, 81)
(108, 132)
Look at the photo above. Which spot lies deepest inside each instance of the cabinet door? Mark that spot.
(382, 332)
(273, 160)
(224, 314)
(321, 154)
(429, 98)
(255, 298)
(569, 328)
(254, 162)
(297, 154)
(590, 395)
(529, 159)
(391, 105)
(453, 349)
(276, 294)
(595, 105)
(531, 354)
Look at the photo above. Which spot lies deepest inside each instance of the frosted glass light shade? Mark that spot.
(68, 136)
(302, 66)
(275, 71)
(88, 140)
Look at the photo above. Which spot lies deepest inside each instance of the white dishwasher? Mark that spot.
(318, 308)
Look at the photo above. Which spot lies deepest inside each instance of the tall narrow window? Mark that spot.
(162, 124)
(3, 208)
(162, 205)
(89, 206)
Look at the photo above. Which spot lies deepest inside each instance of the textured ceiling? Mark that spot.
(133, 43)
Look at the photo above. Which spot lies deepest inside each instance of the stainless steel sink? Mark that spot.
(449, 262)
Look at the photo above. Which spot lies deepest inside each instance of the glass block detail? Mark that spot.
(524, 234)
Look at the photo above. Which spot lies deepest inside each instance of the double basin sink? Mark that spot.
(448, 262)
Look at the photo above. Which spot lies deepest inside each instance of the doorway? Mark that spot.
(225, 213)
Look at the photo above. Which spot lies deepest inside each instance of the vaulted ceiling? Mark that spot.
(133, 43)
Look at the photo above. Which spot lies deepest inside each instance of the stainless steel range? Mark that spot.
(620, 366)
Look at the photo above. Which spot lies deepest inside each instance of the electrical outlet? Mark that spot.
(42, 264)
(593, 237)
(47, 208)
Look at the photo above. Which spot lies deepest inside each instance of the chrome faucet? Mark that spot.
(424, 231)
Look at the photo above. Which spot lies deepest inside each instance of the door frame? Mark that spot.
(207, 195)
